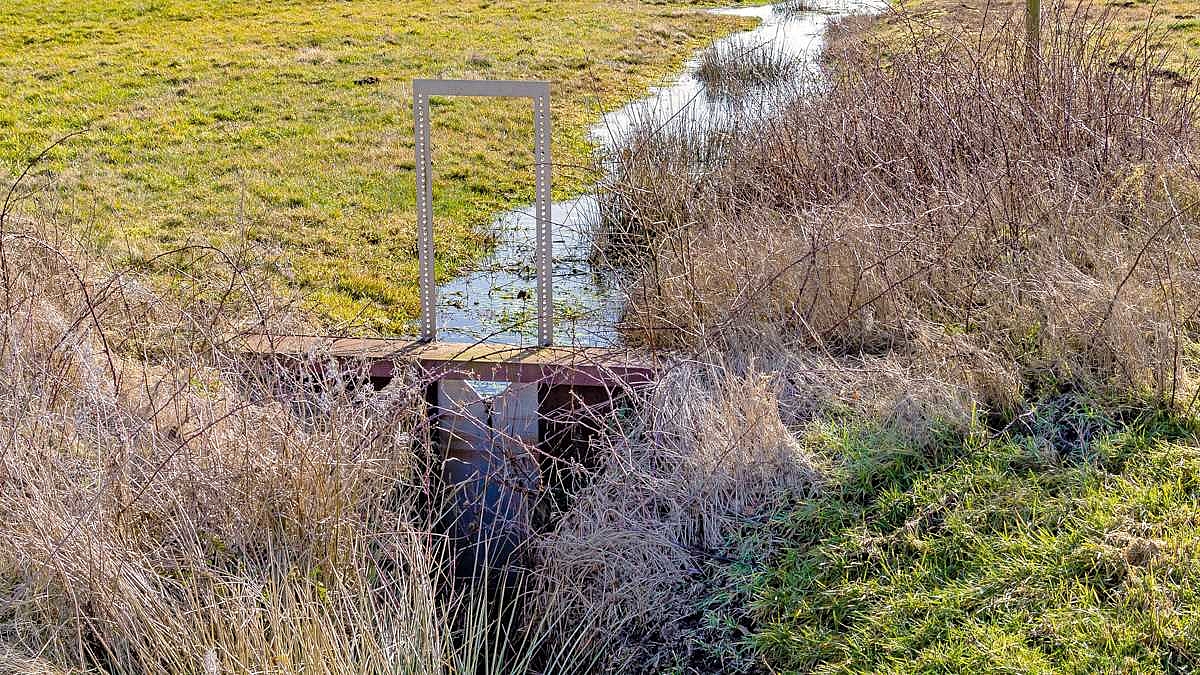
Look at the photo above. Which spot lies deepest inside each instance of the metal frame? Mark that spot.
(540, 93)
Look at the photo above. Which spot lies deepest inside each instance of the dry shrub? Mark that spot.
(162, 510)
(712, 453)
(155, 519)
(936, 208)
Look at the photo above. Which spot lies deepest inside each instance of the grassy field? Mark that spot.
(289, 124)
(1014, 555)
(1173, 24)
(1019, 553)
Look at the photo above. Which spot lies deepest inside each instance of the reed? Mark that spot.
(921, 209)
(732, 67)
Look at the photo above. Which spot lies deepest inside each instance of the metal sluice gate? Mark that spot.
(504, 416)
(489, 430)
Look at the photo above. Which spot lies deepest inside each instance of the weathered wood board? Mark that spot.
(573, 366)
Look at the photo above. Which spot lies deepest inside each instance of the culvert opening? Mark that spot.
(513, 455)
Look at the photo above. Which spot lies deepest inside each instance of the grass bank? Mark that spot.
(944, 277)
(289, 124)
(1024, 553)
(1038, 550)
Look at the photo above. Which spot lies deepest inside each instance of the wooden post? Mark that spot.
(1033, 43)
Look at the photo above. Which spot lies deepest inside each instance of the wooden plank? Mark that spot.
(578, 366)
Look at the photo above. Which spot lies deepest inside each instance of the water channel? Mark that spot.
(495, 300)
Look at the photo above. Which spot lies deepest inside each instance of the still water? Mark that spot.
(495, 300)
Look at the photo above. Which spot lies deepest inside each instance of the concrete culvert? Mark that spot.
(492, 493)
(490, 472)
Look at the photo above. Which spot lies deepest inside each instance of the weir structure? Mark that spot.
(503, 416)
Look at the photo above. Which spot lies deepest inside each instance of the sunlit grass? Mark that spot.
(985, 556)
(290, 123)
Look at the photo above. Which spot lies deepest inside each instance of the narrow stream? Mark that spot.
(495, 301)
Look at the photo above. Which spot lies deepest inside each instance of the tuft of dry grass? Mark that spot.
(730, 67)
(710, 452)
(792, 7)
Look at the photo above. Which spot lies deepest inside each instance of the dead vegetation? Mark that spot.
(926, 217)
(732, 66)
(919, 241)
(166, 507)
(794, 7)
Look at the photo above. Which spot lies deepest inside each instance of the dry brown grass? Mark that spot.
(733, 66)
(167, 507)
(710, 454)
(1172, 23)
(919, 241)
(925, 216)
(155, 517)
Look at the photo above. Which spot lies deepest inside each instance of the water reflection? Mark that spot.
(496, 302)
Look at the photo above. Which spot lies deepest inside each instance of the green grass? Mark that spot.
(1173, 23)
(289, 123)
(1034, 552)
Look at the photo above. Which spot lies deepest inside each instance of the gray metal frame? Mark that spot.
(540, 93)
